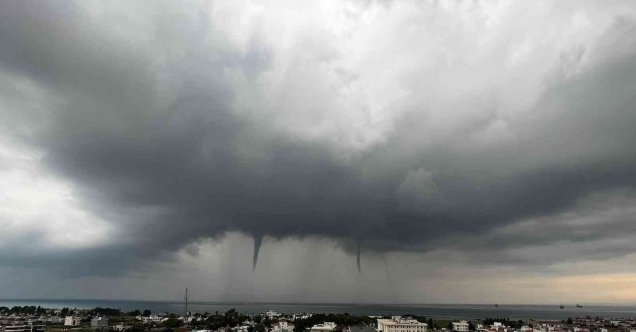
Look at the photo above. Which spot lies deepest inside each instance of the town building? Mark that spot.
(301, 316)
(282, 326)
(324, 327)
(272, 314)
(150, 319)
(121, 327)
(399, 324)
(99, 322)
(72, 320)
(22, 328)
(461, 326)
(55, 320)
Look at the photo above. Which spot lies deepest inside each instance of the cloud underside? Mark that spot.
(387, 128)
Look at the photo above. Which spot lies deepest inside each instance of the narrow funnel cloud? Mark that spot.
(387, 270)
(258, 240)
(358, 259)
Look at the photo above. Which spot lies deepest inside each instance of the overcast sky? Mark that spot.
(374, 151)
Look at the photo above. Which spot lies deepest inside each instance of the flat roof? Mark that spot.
(401, 322)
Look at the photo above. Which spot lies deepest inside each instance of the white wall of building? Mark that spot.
(399, 324)
(461, 326)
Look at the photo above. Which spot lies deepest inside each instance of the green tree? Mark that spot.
(147, 313)
(171, 323)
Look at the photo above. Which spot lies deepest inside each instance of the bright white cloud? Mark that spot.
(39, 212)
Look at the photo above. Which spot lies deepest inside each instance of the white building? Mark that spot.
(55, 320)
(150, 319)
(23, 328)
(461, 326)
(272, 314)
(72, 321)
(121, 327)
(99, 322)
(324, 327)
(282, 326)
(301, 316)
(399, 324)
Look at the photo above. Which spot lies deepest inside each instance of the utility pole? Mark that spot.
(185, 315)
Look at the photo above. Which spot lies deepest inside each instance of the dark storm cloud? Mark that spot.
(171, 171)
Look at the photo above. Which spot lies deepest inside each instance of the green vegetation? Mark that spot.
(231, 318)
(99, 311)
(442, 323)
(172, 323)
(122, 319)
(340, 319)
(505, 321)
(26, 310)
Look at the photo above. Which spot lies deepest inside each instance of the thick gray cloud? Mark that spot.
(175, 126)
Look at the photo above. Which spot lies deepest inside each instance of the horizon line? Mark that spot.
(322, 303)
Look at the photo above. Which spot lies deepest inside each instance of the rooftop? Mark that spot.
(400, 320)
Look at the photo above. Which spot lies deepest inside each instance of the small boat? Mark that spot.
(496, 305)
(561, 307)
(579, 306)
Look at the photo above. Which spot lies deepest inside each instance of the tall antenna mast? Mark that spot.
(185, 316)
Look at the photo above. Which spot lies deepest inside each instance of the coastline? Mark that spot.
(441, 311)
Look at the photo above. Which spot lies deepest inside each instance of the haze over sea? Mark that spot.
(447, 311)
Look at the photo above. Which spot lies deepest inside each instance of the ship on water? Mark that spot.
(579, 306)
(562, 306)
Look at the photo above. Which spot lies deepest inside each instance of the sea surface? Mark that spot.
(440, 311)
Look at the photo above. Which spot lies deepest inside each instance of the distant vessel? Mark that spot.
(579, 306)
(561, 307)
(496, 305)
